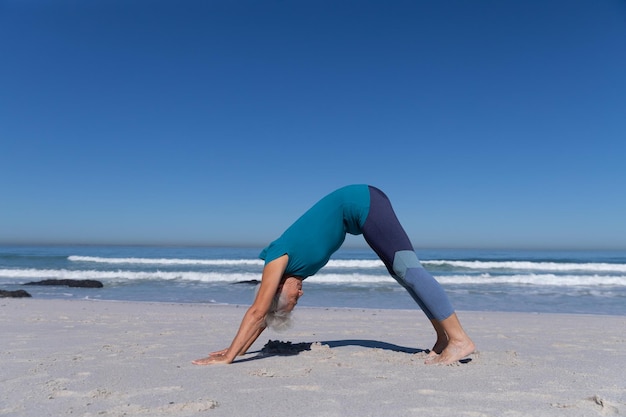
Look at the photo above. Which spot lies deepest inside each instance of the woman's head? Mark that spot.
(289, 292)
(286, 298)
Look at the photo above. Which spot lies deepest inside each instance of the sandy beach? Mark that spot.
(92, 358)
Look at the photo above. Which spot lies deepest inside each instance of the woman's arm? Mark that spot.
(252, 339)
(253, 322)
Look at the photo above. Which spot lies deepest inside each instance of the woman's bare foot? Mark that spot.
(455, 351)
(452, 344)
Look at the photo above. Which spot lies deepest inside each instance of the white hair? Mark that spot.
(277, 318)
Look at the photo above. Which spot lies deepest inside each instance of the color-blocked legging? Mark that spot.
(385, 235)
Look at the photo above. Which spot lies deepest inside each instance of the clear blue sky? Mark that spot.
(488, 123)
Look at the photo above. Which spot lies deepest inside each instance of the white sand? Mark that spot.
(90, 358)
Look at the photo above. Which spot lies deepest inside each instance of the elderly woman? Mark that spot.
(306, 246)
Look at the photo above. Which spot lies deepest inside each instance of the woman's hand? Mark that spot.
(213, 358)
(253, 322)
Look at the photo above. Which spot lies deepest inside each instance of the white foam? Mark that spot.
(528, 265)
(121, 275)
(333, 263)
(536, 279)
(320, 278)
(372, 263)
(355, 263)
(165, 261)
(323, 278)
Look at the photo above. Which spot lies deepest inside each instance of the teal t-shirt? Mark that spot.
(319, 232)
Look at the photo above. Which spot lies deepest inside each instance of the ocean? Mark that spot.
(583, 282)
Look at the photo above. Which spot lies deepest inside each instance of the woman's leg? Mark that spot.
(385, 235)
(383, 232)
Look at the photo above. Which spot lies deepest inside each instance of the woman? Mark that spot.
(306, 246)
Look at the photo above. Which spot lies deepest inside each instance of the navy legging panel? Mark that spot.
(382, 230)
(385, 235)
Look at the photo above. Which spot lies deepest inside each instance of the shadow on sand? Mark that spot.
(280, 348)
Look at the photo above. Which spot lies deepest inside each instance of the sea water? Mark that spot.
(587, 282)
